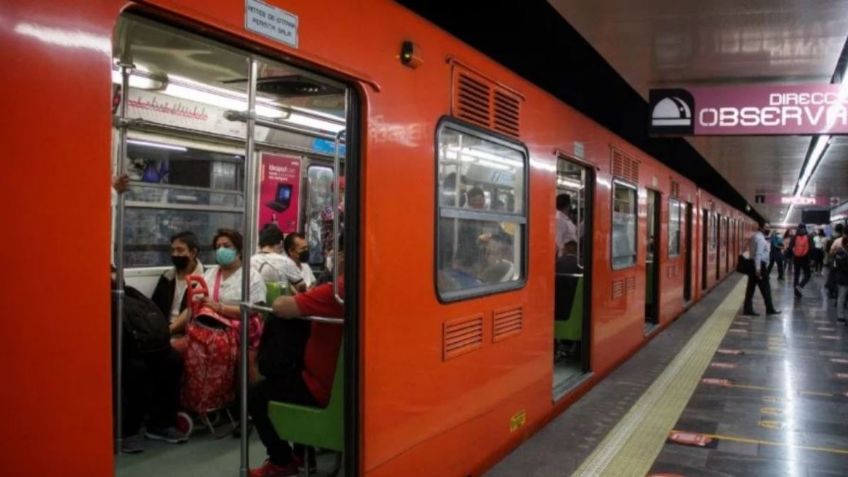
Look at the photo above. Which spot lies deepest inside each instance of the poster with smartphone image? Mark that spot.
(279, 189)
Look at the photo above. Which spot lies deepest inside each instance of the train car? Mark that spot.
(455, 350)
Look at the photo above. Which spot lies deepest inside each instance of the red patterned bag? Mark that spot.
(210, 355)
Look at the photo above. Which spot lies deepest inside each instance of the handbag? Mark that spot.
(745, 265)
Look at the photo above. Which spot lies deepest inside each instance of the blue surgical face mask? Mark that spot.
(225, 256)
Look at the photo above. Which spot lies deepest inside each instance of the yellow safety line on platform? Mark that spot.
(632, 446)
(747, 440)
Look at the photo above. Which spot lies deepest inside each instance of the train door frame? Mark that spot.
(560, 390)
(687, 277)
(352, 167)
(705, 239)
(652, 280)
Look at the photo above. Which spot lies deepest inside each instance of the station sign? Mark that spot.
(778, 199)
(749, 110)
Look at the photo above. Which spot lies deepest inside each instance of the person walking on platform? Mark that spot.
(800, 246)
(759, 250)
(776, 255)
(840, 277)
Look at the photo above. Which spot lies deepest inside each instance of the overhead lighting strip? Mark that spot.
(819, 143)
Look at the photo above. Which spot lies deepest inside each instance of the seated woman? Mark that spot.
(225, 281)
(170, 292)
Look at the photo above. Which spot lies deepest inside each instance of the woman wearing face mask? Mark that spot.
(225, 282)
(170, 294)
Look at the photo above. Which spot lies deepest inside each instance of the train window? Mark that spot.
(177, 188)
(318, 211)
(623, 225)
(482, 216)
(675, 218)
(713, 231)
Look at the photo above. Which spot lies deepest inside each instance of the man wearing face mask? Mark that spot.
(170, 294)
(295, 269)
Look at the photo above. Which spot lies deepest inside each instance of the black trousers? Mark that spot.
(292, 390)
(776, 258)
(765, 290)
(151, 385)
(802, 264)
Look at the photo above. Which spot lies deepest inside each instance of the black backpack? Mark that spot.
(840, 261)
(281, 348)
(145, 327)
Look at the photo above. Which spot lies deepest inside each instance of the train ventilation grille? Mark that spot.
(483, 102)
(617, 289)
(675, 189)
(461, 336)
(507, 322)
(625, 167)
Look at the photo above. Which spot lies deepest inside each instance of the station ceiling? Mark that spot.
(603, 56)
(670, 43)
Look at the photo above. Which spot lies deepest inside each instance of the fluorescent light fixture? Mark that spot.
(157, 145)
(493, 165)
(819, 148)
(788, 213)
(191, 90)
(311, 122)
(143, 81)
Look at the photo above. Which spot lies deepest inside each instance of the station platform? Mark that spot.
(715, 394)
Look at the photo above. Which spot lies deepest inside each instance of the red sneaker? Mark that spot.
(269, 469)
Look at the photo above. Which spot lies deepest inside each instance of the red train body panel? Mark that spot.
(420, 413)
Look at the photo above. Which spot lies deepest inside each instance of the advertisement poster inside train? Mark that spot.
(279, 188)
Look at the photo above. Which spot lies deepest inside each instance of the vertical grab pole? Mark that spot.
(250, 174)
(118, 291)
(336, 181)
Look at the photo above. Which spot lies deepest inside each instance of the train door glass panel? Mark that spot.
(175, 186)
(482, 218)
(706, 242)
(624, 208)
(185, 132)
(572, 283)
(727, 243)
(716, 244)
(652, 261)
(688, 272)
(318, 212)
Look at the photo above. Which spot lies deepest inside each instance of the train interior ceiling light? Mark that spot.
(190, 90)
(819, 147)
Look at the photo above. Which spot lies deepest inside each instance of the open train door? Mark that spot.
(212, 135)
(572, 276)
(652, 262)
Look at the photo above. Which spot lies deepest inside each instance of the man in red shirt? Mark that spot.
(312, 385)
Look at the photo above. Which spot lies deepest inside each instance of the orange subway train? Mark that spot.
(504, 252)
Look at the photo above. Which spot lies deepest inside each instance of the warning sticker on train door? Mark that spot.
(273, 22)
